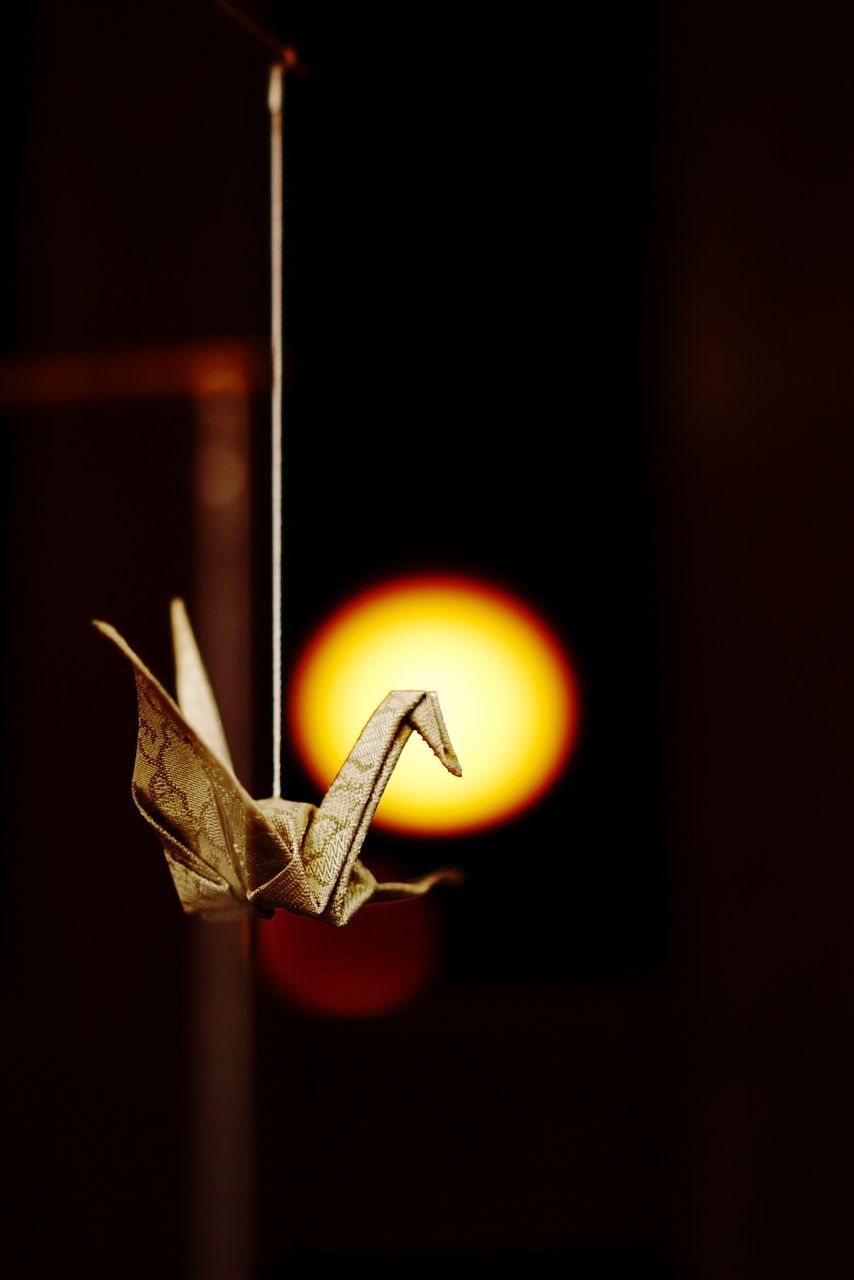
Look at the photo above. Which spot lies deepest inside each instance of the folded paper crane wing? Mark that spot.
(233, 857)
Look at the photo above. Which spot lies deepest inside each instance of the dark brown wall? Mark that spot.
(633, 245)
(755, 457)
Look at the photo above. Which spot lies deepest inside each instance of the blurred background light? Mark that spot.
(385, 958)
(507, 690)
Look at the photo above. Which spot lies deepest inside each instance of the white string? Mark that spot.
(275, 101)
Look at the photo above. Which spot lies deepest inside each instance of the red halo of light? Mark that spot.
(376, 965)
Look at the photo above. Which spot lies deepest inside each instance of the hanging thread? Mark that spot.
(288, 61)
(275, 101)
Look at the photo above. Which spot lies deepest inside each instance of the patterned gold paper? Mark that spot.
(233, 857)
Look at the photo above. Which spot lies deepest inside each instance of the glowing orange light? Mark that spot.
(506, 688)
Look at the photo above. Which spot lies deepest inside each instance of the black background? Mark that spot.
(577, 305)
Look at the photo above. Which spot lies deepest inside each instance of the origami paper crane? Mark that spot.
(234, 857)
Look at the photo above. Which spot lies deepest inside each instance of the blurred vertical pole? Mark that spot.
(221, 1243)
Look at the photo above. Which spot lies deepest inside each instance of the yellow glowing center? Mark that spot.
(505, 687)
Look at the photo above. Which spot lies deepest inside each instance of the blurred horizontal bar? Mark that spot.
(224, 367)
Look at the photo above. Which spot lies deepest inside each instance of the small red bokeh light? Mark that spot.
(379, 963)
